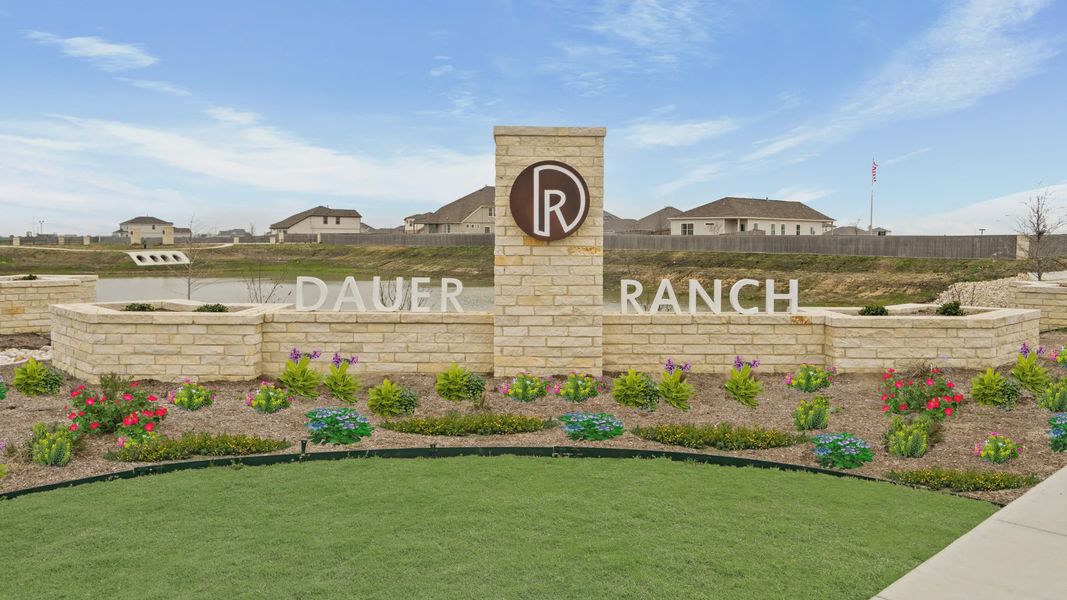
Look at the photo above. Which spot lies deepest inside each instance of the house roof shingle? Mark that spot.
(658, 221)
(754, 208)
(318, 211)
(458, 210)
(146, 221)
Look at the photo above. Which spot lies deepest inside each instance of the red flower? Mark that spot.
(935, 370)
(90, 401)
(929, 382)
(74, 427)
(950, 384)
(81, 413)
(127, 397)
(72, 416)
(957, 398)
(903, 407)
(127, 421)
(94, 425)
(74, 393)
(948, 411)
(899, 384)
(160, 412)
(885, 397)
(885, 408)
(152, 398)
(135, 383)
(149, 426)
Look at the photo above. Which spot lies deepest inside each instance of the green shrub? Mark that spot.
(30, 277)
(997, 449)
(841, 450)
(298, 377)
(525, 388)
(212, 308)
(742, 384)
(157, 448)
(1054, 397)
(388, 399)
(268, 399)
(1057, 433)
(455, 424)
(993, 389)
(1031, 374)
(339, 426)
(139, 307)
(51, 446)
(722, 436)
(114, 385)
(36, 379)
(192, 396)
(950, 309)
(3, 389)
(3, 472)
(591, 426)
(340, 384)
(579, 388)
(874, 310)
(812, 414)
(675, 390)
(457, 384)
(810, 378)
(963, 481)
(908, 438)
(636, 390)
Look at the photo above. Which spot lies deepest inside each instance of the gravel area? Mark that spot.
(855, 404)
(996, 293)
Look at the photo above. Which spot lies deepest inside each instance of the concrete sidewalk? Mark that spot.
(1019, 552)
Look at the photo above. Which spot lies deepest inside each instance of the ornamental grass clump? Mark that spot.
(963, 481)
(591, 426)
(579, 388)
(673, 387)
(157, 448)
(339, 382)
(742, 384)
(1054, 397)
(389, 399)
(191, 396)
(525, 388)
(457, 384)
(636, 390)
(338, 426)
(268, 398)
(997, 449)
(812, 414)
(37, 379)
(1057, 433)
(841, 450)
(51, 445)
(298, 377)
(810, 378)
(457, 425)
(1030, 373)
(928, 392)
(993, 389)
(722, 436)
(132, 413)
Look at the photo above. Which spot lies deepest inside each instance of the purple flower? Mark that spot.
(754, 363)
(738, 363)
(295, 355)
(686, 367)
(353, 360)
(1040, 350)
(336, 360)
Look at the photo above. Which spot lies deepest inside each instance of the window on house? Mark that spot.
(798, 228)
(448, 228)
(742, 226)
(783, 228)
(338, 221)
(492, 212)
(772, 229)
(487, 230)
(687, 229)
(812, 231)
(153, 228)
(325, 220)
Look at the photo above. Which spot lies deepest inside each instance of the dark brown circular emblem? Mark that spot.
(549, 200)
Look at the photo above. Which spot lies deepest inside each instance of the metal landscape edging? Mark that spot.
(434, 451)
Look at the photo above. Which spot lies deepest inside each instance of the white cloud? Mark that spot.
(442, 70)
(682, 133)
(101, 53)
(164, 87)
(700, 174)
(996, 215)
(903, 157)
(230, 116)
(973, 52)
(665, 26)
(797, 193)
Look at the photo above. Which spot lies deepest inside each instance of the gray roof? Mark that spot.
(146, 221)
(853, 230)
(658, 221)
(458, 210)
(754, 208)
(318, 211)
(615, 224)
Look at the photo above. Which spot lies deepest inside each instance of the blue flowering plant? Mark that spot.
(591, 426)
(841, 450)
(1057, 434)
(337, 426)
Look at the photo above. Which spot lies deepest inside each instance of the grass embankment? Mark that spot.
(504, 527)
(824, 280)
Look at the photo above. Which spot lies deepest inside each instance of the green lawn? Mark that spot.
(502, 527)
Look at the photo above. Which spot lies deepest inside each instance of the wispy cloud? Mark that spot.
(442, 70)
(680, 133)
(903, 157)
(665, 26)
(973, 52)
(701, 174)
(995, 215)
(164, 87)
(103, 54)
(232, 116)
(798, 193)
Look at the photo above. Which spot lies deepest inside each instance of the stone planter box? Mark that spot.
(24, 304)
(1048, 297)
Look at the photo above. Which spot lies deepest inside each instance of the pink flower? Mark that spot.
(885, 408)
(929, 382)
(127, 397)
(74, 427)
(89, 402)
(948, 411)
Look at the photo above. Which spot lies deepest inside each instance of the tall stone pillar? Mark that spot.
(168, 235)
(549, 295)
(135, 236)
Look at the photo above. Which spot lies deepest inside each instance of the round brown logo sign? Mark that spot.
(549, 200)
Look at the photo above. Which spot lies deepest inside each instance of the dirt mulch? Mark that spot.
(25, 341)
(855, 405)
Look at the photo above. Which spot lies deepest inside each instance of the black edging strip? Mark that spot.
(448, 452)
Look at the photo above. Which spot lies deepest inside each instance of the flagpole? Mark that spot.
(874, 178)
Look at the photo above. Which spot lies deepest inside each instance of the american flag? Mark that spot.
(874, 171)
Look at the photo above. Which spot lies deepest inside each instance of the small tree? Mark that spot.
(1040, 221)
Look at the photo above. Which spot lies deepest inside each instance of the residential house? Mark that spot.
(751, 216)
(150, 228)
(321, 219)
(473, 213)
(614, 224)
(658, 223)
(853, 230)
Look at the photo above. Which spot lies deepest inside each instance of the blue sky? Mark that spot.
(237, 113)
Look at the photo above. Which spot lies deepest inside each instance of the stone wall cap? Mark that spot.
(550, 131)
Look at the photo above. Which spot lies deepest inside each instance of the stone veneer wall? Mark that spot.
(1048, 297)
(24, 304)
(549, 296)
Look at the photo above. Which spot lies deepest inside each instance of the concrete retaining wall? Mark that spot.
(24, 304)
(1049, 298)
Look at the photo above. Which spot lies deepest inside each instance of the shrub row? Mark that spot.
(158, 448)
(963, 481)
(722, 436)
(455, 424)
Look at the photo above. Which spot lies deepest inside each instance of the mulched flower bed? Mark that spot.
(855, 404)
